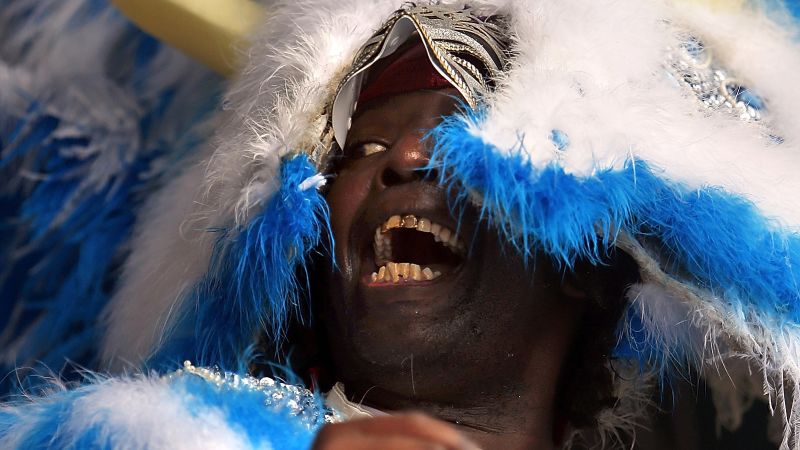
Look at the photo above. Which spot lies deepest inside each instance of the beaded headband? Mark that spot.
(408, 70)
(468, 51)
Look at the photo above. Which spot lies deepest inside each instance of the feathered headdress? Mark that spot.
(666, 129)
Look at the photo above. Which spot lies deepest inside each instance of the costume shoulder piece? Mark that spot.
(187, 409)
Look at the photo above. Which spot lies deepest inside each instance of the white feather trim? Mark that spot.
(605, 87)
(721, 340)
(149, 413)
(593, 70)
(171, 248)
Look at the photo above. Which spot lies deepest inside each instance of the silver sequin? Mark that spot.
(280, 397)
(454, 37)
(693, 66)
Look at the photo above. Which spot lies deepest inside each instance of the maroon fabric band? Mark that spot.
(410, 71)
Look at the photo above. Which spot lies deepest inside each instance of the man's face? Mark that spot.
(479, 312)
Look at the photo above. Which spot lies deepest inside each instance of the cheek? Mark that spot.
(346, 199)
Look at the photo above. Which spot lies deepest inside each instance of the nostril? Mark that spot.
(390, 177)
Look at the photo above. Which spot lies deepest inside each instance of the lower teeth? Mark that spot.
(400, 272)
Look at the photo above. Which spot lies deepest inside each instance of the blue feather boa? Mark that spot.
(255, 278)
(717, 241)
(186, 409)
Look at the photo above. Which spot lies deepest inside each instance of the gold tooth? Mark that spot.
(382, 273)
(391, 268)
(391, 222)
(416, 272)
(403, 270)
(383, 247)
(424, 224)
(394, 221)
(427, 273)
(409, 221)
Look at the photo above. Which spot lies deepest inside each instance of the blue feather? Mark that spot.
(82, 417)
(255, 277)
(75, 178)
(781, 9)
(710, 238)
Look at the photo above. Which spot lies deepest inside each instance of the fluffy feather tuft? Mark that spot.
(180, 411)
(252, 285)
(93, 113)
(722, 276)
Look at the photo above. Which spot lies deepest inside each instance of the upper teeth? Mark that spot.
(442, 234)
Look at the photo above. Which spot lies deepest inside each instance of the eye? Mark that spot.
(370, 148)
(364, 149)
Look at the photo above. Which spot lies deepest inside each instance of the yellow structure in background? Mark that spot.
(207, 30)
(211, 30)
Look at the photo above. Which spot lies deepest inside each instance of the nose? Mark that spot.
(404, 159)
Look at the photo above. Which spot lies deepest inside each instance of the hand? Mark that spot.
(399, 432)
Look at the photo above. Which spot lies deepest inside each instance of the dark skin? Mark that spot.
(481, 348)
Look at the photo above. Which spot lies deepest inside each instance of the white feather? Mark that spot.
(171, 248)
(133, 414)
(594, 70)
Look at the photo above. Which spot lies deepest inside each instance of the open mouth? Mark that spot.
(410, 248)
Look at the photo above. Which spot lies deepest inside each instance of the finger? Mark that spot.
(396, 442)
(418, 426)
(359, 441)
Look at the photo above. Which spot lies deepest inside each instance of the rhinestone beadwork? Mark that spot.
(451, 35)
(693, 66)
(281, 397)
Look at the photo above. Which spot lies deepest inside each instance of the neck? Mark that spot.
(515, 415)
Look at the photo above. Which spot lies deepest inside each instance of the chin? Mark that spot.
(378, 345)
(401, 329)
